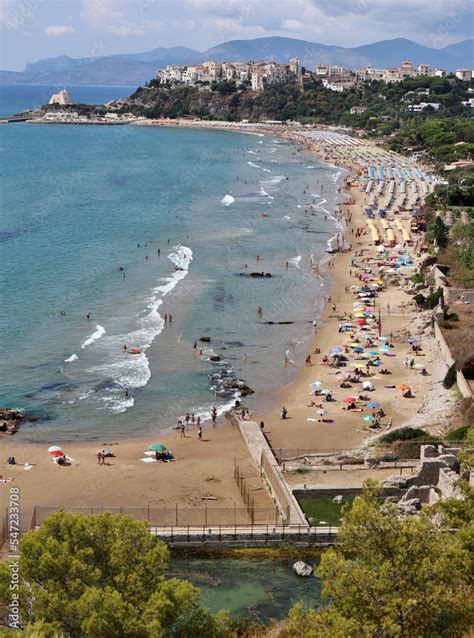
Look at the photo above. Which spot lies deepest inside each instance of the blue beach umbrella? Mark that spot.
(358, 349)
(374, 404)
(368, 418)
(385, 348)
(374, 353)
(336, 349)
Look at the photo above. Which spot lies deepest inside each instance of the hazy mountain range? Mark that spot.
(136, 68)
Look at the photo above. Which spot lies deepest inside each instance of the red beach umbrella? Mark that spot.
(350, 400)
(57, 453)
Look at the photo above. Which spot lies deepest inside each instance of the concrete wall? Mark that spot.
(451, 294)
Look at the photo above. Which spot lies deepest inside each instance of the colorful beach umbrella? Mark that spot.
(358, 349)
(350, 399)
(157, 447)
(385, 348)
(374, 404)
(403, 387)
(316, 384)
(57, 453)
(336, 349)
(54, 448)
(374, 353)
(368, 418)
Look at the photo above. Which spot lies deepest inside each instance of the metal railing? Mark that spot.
(176, 516)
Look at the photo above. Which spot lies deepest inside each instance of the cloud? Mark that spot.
(135, 28)
(56, 30)
(292, 25)
(99, 12)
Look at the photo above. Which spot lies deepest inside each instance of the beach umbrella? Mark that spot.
(54, 448)
(57, 453)
(374, 404)
(350, 399)
(359, 315)
(354, 344)
(403, 387)
(385, 348)
(316, 384)
(373, 353)
(337, 349)
(157, 447)
(419, 366)
(367, 385)
(358, 365)
(368, 418)
(358, 349)
(411, 340)
(362, 322)
(325, 391)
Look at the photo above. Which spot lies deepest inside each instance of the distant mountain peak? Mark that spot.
(137, 68)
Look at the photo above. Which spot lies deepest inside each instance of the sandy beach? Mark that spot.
(205, 469)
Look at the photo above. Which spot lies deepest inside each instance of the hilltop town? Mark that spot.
(260, 75)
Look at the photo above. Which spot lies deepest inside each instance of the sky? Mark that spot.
(36, 29)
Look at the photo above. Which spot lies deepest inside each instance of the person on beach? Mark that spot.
(308, 360)
(88, 316)
(198, 421)
(100, 458)
(200, 433)
(283, 413)
(315, 325)
(124, 347)
(170, 318)
(262, 425)
(187, 418)
(195, 346)
(166, 318)
(214, 414)
(158, 252)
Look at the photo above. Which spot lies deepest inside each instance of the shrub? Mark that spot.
(417, 278)
(420, 299)
(459, 434)
(450, 378)
(447, 325)
(433, 299)
(403, 434)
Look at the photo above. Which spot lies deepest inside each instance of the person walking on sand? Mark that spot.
(214, 414)
(170, 318)
(186, 418)
(195, 346)
(166, 317)
(198, 421)
(283, 412)
(100, 458)
(200, 433)
(262, 425)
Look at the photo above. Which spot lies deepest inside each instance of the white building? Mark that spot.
(62, 98)
(296, 66)
(417, 108)
(464, 74)
(425, 70)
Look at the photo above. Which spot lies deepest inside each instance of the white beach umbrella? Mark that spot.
(55, 448)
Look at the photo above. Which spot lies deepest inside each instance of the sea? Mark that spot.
(105, 230)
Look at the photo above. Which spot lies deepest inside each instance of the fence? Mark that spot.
(177, 516)
(281, 495)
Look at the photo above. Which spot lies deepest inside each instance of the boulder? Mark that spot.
(10, 420)
(302, 569)
(412, 506)
(205, 339)
(215, 358)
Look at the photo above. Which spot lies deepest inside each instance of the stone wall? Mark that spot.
(461, 382)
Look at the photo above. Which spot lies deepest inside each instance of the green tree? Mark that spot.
(103, 576)
(391, 577)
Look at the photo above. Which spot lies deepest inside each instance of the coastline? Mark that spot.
(186, 475)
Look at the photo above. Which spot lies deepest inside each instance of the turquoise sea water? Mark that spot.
(82, 205)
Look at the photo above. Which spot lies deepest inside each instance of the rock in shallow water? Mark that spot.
(302, 569)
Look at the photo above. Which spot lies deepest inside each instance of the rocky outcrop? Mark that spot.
(10, 420)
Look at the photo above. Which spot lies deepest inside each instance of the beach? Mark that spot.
(205, 469)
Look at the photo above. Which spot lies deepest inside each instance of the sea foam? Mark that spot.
(228, 200)
(97, 334)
